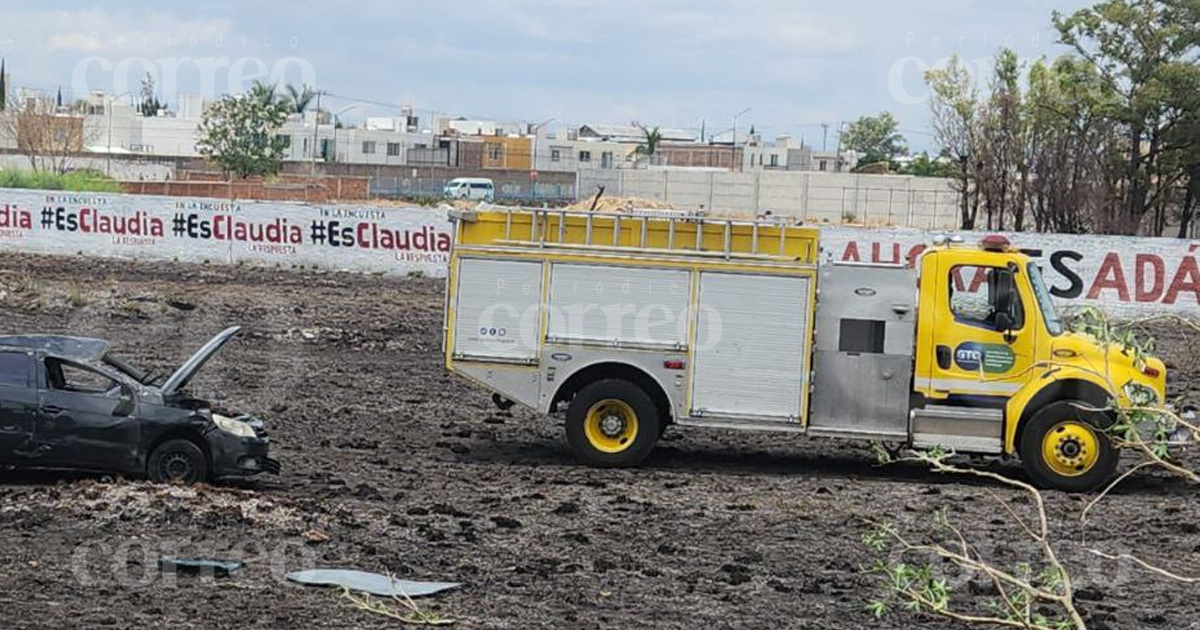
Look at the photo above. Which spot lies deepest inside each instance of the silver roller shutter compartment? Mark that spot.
(751, 342)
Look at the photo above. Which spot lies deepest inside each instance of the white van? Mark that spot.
(470, 188)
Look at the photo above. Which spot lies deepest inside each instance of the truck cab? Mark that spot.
(994, 370)
(625, 324)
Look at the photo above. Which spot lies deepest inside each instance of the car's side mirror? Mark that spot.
(126, 405)
(1004, 323)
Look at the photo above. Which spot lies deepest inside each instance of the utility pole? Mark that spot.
(316, 128)
(733, 143)
(336, 119)
(824, 136)
(837, 159)
(108, 147)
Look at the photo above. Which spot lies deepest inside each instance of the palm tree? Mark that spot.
(653, 137)
(263, 93)
(299, 99)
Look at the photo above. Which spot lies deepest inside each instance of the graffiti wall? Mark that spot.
(355, 238)
(1128, 276)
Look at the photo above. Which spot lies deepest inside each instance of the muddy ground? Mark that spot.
(410, 471)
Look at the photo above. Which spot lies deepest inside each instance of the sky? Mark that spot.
(795, 64)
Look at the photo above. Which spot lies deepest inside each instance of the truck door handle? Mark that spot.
(51, 409)
(943, 357)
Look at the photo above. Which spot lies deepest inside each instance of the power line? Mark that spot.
(363, 101)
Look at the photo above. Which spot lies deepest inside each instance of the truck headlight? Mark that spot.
(1140, 395)
(234, 427)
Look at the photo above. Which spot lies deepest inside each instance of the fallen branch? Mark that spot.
(401, 607)
(920, 589)
(1147, 566)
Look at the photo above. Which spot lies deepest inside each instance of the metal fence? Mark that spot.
(934, 209)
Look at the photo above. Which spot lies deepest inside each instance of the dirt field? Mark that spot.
(410, 471)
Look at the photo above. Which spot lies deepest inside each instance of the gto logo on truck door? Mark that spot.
(993, 358)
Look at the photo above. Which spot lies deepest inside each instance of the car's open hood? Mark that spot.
(184, 374)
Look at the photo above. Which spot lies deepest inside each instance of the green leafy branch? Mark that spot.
(913, 582)
(1093, 321)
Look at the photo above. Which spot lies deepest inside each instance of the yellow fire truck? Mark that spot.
(627, 323)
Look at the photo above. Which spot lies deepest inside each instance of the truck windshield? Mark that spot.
(1053, 323)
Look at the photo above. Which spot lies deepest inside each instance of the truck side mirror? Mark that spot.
(1004, 323)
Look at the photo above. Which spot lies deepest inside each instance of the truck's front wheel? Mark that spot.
(1065, 447)
(612, 423)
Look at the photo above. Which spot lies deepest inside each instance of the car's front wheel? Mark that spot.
(177, 461)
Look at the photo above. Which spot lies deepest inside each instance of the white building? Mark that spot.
(115, 126)
(464, 127)
(785, 154)
(560, 150)
(629, 134)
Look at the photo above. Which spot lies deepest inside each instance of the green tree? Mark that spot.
(955, 109)
(299, 98)
(924, 166)
(240, 134)
(150, 104)
(650, 143)
(1139, 49)
(1001, 151)
(1069, 146)
(1185, 157)
(878, 138)
(3, 87)
(264, 93)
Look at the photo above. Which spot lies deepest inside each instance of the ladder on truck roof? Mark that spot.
(652, 232)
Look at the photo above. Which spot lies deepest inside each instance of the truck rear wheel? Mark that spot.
(1065, 447)
(612, 423)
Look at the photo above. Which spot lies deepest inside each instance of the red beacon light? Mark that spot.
(994, 243)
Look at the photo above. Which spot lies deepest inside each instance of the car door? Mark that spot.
(18, 404)
(85, 419)
(973, 354)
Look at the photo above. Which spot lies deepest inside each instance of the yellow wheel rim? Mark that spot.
(1071, 448)
(611, 426)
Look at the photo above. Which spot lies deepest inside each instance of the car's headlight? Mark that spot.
(1140, 395)
(235, 427)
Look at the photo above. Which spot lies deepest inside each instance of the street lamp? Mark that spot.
(733, 143)
(108, 149)
(335, 130)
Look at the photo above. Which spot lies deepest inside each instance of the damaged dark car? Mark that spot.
(68, 403)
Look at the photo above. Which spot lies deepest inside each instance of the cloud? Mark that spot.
(116, 32)
(668, 62)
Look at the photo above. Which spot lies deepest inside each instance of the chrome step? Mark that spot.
(966, 429)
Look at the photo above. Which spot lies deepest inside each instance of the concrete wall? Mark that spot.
(923, 202)
(123, 169)
(317, 189)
